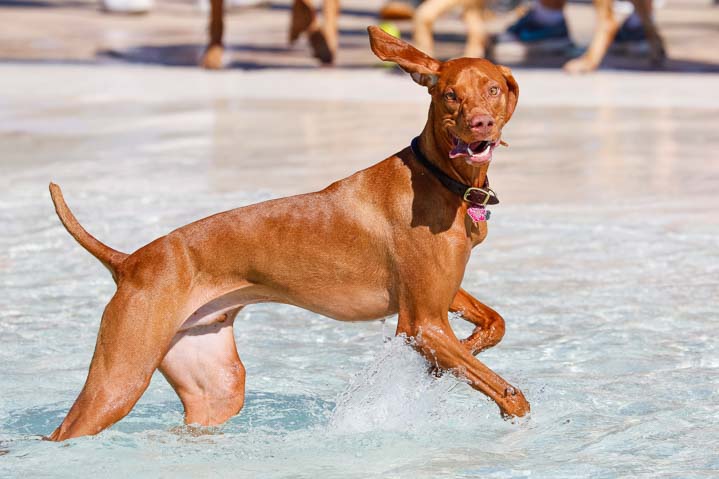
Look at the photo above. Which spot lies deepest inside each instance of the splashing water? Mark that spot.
(395, 392)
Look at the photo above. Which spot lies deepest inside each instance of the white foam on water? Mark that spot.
(394, 392)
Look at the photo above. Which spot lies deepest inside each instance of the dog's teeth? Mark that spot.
(486, 150)
(469, 150)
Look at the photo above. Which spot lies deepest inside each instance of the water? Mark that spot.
(603, 258)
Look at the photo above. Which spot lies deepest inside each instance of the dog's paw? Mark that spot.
(513, 404)
(212, 59)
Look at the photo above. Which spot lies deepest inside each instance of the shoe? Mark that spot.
(630, 40)
(529, 35)
(528, 30)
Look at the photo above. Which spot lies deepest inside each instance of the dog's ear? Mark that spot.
(513, 91)
(422, 68)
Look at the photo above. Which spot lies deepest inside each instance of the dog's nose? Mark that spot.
(481, 123)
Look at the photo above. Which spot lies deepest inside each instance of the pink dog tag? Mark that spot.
(478, 213)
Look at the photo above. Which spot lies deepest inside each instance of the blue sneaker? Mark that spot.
(630, 40)
(528, 34)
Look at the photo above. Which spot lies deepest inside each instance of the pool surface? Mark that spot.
(603, 257)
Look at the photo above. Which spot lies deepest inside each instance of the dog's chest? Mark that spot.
(478, 232)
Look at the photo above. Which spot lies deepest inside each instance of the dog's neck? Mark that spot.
(436, 145)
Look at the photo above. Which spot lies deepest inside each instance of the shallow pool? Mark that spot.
(603, 258)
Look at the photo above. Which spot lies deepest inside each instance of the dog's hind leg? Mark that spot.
(489, 325)
(134, 335)
(205, 371)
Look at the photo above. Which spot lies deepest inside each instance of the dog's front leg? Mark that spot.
(434, 339)
(489, 325)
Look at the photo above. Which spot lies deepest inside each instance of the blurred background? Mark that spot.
(603, 256)
(173, 32)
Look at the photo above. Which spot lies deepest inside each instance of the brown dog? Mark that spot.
(391, 239)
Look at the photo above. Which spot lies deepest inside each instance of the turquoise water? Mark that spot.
(608, 285)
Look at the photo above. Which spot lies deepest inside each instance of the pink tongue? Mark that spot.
(460, 149)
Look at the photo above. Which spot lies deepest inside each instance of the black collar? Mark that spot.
(474, 196)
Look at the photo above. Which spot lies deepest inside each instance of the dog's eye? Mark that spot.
(450, 96)
(494, 91)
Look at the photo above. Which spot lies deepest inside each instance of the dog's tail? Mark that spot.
(109, 257)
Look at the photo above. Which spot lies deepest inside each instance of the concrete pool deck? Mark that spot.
(174, 33)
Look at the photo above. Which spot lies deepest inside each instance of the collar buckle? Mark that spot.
(476, 196)
(487, 192)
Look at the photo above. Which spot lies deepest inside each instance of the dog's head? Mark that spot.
(472, 98)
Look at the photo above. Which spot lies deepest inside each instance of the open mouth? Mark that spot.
(475, 152)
